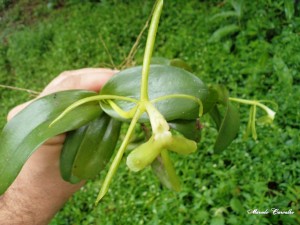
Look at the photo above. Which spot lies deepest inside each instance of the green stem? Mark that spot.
(149, 49)
(125, 114)
(269, 111)
(253, 129)
(90, 99)
(161, 98)
(114, 166)
(244, 101)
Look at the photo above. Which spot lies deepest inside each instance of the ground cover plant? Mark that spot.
(218, 186)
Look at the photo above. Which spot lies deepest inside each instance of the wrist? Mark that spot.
(38, 192)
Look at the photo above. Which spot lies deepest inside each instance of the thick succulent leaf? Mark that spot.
(227, 122)
(163, 80)
(216, 116)
(180, 64)
(30, 128)
(171, 62)
(160, 61)
(222, 99)
(188, 128)
(229, 128)
(221, 92)
(69, 152)
(96, 147)
(88, 146)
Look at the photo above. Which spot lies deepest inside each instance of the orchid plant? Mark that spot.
(163, 96)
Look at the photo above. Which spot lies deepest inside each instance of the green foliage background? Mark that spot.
(252, 48)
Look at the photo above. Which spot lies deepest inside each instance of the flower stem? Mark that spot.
(90, 99)
(270, 112)
(114, 166)
(149, 49)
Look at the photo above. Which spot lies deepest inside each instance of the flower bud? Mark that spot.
(144, 154)
(182, 145)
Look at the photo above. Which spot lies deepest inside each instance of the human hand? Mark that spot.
(39, 191)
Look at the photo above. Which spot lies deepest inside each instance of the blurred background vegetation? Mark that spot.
(252, 47)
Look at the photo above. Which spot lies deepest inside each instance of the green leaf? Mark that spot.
(188, 128)
(163, 80)
(238, 6)
(217, 220)
(289, 9)
(221, 92)
(282, 71)
(97, 147)
(216, 116)
(224, 15)
(88, 146)
(69, 152)
(180, 64)
(88, 149)
(228, 124)
(236, 205)
(173, 62)
(223, 32)
(30, 128)
(160, 61)
(229, 128)
(163, 168)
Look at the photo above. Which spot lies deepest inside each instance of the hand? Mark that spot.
(39, 191)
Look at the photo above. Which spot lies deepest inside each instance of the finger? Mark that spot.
(55, 141)
(69, 73)
(89, 79)
(17, 109)
(59, 139)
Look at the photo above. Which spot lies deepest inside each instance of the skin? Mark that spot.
(39, 192)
